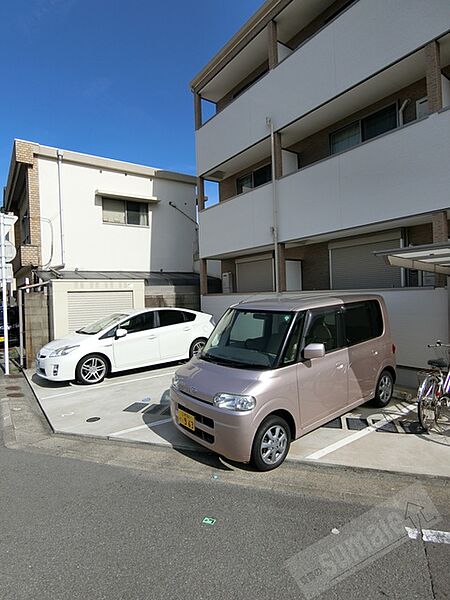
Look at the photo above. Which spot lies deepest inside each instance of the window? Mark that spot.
(25, 228)
(255, 179)
(140, 322)
(324, 328)
(170, 317)
(125, 212)
(291, 352)
(363, 321)
(189, 316)
(360, 131)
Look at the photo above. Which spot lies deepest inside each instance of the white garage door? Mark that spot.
(87, 307)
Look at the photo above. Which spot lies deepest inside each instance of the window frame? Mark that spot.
(158, 321)
(311, 313)
(252, 175)
(360, 122)
(372, 308)
(125, 202)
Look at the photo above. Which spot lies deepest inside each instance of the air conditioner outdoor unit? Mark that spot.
(227, 283)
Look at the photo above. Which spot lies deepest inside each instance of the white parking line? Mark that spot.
(87, 389)
(429, 535)
(359, 434)
(141, 427)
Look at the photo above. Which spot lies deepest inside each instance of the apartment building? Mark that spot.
(329, 140)
(102, 235)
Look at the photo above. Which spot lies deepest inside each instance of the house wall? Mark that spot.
(91, 245)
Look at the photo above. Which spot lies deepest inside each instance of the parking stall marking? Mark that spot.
(86, 389)
(359, 434)
(124, 431)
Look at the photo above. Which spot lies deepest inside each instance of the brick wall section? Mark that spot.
(434, 82)
(315, 265)
(36, 323)
(420, 234)
(317, 146)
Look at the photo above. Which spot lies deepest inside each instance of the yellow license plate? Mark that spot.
(2, 339)
(186, 419)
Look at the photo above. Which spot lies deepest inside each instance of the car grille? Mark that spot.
(203, 435)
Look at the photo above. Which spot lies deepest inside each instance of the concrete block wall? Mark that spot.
(36, 324)
(180, 297)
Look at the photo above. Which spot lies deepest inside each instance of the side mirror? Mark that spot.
(314, 351)
(121, 333)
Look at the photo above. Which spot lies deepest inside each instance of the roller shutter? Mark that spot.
(355, 267)
(255, 275)
(87, 307)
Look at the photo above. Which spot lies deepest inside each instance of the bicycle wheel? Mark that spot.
(426, 401)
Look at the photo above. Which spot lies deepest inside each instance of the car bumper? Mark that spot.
(227, 433)
(55, 369)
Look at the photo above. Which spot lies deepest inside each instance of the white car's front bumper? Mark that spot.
(58, 368)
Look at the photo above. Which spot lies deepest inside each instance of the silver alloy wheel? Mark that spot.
(93, 369)
(197, 348)
(385, 388)
(273, 444)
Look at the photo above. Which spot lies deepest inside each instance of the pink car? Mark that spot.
(274, 370)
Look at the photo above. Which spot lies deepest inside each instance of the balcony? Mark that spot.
(340, 56)
(395, 176)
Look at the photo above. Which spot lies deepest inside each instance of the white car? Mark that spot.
(125, 340)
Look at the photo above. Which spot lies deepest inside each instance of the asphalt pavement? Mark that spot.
(85, 518)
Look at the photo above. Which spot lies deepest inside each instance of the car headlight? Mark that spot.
(176, 382)
(62, 351)
(234, 402)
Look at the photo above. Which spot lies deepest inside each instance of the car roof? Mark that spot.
(297, 303)
(136, 311)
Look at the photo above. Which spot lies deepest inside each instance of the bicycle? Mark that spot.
(434, 392)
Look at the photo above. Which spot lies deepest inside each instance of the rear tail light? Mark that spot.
(394, 348)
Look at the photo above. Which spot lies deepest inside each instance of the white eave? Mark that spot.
(432, 258)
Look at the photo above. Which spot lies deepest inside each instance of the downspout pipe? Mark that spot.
(59, 156)
(274, 206)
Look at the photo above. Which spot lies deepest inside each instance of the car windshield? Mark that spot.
(248, 338)
(101, 324)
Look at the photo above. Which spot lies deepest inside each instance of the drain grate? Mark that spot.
(334, 424)
(15, 395)
(92, 419)
(12, 388)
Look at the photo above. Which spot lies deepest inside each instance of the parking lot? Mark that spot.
(134, 407)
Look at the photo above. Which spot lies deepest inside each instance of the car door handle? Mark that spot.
(186, 328)
(339, 366)
(152, 337)
(375, 352)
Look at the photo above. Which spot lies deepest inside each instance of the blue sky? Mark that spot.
(109, 77)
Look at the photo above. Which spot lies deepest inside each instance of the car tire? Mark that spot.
(92, 369)
(196, 347)
(384, 390)
(271, 443)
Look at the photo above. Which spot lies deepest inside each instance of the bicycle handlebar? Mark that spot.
(438, 344)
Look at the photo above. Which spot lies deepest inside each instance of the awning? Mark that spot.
(432, 258)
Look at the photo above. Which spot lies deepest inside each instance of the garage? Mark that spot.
(87, 306)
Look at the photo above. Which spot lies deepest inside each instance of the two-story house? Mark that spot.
(330, 141)
(102, 234)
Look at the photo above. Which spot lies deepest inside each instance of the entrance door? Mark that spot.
(322, 382)
(140, 347)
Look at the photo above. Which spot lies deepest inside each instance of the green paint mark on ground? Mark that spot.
(208, 521)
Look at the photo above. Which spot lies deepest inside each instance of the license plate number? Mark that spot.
(2, 339)
(186, 419)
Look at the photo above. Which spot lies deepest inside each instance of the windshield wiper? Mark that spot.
(231, 363)
(84, 332)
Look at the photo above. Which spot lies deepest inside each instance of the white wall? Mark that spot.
(242, 222)
(417, 316)
(92, 245)
(365, 39)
